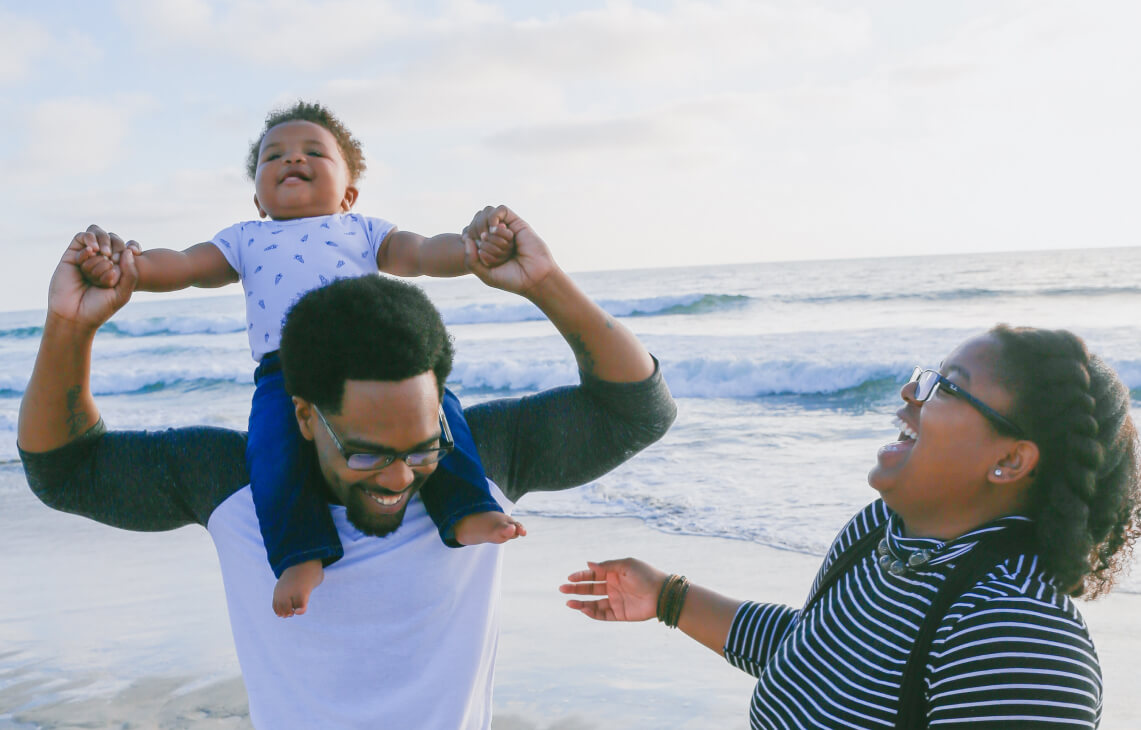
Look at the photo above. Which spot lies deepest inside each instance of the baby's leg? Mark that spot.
(293, 515)
(495, 527)
(291, 594)
(457, 495)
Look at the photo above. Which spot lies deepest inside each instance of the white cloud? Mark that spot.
(422, 99)
(689, 131)
(290, 34)
(361, 38)
(594, 69)
(22, 42)
(65, 137)
(173, 210)
(621, 55)
(688, 41)
(26, 46)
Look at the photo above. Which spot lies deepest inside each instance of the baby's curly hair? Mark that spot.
(1086, 497)
(304, 111)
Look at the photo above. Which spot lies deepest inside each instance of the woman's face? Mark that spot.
(938, 476)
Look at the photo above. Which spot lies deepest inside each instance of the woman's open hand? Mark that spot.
(628, 588)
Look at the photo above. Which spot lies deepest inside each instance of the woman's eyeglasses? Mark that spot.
(928, 381)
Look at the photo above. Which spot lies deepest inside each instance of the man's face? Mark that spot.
(376, 417)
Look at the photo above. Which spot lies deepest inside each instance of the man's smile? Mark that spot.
(386, 500)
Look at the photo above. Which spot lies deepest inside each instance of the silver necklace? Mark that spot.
(896, 566)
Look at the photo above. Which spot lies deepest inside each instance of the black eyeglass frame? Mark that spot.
(378, 462)
(936, 379)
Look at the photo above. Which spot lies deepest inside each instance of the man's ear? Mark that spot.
(303, 410)
(1017, 464)
(349, 199)
(261, 211)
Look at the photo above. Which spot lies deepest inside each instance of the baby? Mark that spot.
(305, 167)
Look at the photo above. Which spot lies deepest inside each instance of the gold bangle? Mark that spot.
(679, 603)
(671, 599)
(663, 596)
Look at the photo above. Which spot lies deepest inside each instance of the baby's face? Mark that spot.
(301, 173)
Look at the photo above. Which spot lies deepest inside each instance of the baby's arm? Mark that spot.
(201, 265)
(160, 269)
(404, 253)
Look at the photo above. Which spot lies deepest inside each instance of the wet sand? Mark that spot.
(557, 670)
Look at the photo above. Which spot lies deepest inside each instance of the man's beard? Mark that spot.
(374, 525)
(383, 524)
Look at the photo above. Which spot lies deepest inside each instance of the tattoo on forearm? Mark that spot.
(585, 359)
(76, 416)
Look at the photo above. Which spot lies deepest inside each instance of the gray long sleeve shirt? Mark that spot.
(160, 480)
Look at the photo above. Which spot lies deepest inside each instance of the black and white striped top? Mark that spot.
(1013, 651)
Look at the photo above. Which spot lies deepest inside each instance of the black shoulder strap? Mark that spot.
(980, 560)
(844, 561)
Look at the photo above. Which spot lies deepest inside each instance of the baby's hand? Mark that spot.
(495, 242)
(495, 249)
(97, 268)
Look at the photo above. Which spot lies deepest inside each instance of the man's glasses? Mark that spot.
(368, 461)
(928, 381)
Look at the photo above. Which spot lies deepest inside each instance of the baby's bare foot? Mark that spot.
(482, 527)
(291, 594)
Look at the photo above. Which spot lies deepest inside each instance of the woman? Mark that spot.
(1013, 486)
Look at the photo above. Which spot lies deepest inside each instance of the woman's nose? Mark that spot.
(907, 392)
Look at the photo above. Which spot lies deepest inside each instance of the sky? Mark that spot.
(630, 134)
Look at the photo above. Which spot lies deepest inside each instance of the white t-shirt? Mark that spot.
(278, 261)
(401, 634)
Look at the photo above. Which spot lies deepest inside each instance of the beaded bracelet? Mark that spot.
(671, 598)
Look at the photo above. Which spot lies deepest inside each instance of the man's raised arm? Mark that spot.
(134, 480)
(57, 407)
(603, 347)
(565, 437)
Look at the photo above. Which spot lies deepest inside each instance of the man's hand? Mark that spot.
(74, 297)
(497, 228)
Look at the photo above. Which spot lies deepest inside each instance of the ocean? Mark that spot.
(787, 376)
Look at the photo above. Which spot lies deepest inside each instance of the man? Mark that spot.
(404, 634)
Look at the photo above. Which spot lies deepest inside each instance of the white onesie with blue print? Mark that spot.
(278, 261)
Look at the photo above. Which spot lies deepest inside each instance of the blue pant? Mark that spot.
(290, 495)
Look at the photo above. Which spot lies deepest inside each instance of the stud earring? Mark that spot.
(998, 472)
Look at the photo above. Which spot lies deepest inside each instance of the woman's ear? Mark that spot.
(1017, 464)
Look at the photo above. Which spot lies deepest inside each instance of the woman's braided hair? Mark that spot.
(1085, 496)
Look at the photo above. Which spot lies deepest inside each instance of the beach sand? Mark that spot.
(557, 670)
